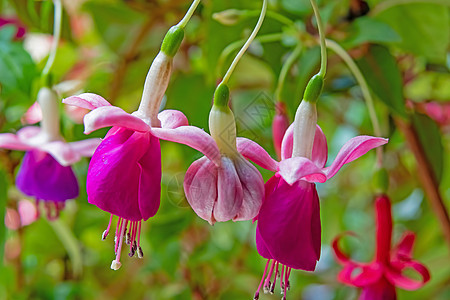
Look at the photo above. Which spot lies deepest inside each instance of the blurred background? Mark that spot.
(402, 48)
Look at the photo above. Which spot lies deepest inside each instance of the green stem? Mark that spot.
(273, 15)
(391, 3)
(285, 69)
(70, 243)
(268, 38)
(323, 48)
(364, 88)
(247, 44)
(188, 14)
(56, 36)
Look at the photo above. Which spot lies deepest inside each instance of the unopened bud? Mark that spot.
(313, 89)
(172, 40)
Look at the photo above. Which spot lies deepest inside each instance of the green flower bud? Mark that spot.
(172, 41)
(313, 89)
(221, 95)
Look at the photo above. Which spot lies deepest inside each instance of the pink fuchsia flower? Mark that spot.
(20, 32)
(379, 278)
(25, 214)
(124, 175)
(223, 185)
(45, 172)
(288, 231)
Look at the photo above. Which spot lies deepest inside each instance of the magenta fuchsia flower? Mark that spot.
(280, 124)
(288, 229)
(379, 278)
(45, 172)
(124, 175)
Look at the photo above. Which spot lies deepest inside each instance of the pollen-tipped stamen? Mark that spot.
(256, 297)
(106, 232)
(115, 265)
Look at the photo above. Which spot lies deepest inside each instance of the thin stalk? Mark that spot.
(285, 69)
(323, 48)
(364, 88)
(247, 44)
(56, 36)
(273, 15)
(391, 3)
(188, 14)
(268, 38)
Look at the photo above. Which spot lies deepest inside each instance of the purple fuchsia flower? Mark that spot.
(379, 278)
(124, 175)
(288, 231)
(45, 172)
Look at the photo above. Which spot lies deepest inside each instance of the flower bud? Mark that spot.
(172, 41)
(313, 89)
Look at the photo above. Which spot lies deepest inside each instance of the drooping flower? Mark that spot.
(124, 175)
(223, 185)
(45, 172)
(288, 229)
(379, 278)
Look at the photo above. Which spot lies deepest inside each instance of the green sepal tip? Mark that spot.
(221, 95)
(172, 40)
(313, 89)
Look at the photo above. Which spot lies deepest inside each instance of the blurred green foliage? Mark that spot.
(108, 46)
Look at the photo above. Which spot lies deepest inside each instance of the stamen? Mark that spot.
(282, 280)
(106, 232)
(115, 265)
(119, 234)
(277, 275)
(267, 283)
(261, 282)
(140, 252)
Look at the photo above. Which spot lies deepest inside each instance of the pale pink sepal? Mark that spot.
(171, 119)
(107, 116)
(33, 115)
(12, 142)
(28, 132)
(87, 100)
(193, 137)
(296, 168)
(85, 148)
(254, 152)
(353, 149)
(287, 143)
(62, 152)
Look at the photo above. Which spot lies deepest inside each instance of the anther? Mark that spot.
(267, 287)
(140, 252)
(256, 297)
(115, 265)
(128, 238)
(104, 235)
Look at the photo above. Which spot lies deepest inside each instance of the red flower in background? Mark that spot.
(379, 278)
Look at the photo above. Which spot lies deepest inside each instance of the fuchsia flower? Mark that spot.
(280, 124)
(288, 229)
(379, 278)
(45, 172)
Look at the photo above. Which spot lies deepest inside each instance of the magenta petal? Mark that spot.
(289, 224)
(229, 192)
(361, 275)
(12, 142)
(106, 116)
(200, 187)
(403, 250)
(296, 168)
(87, 100)
(85, 148)
(253, 189)
(172, 119)
(193, 137)
(41, 176)
(380, 290)
(254, 152)
(261, 246)
(353, 149)
(114, 173)
(320, 148)
(150, 180)
(397, 278)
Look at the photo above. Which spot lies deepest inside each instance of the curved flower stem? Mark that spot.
(56, 36)
(247, 44)
(268, 38)
(188, 14)
(323, 48)
(391, 3)
(285, 69)
(365, 91)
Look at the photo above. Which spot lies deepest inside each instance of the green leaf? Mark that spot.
(3, 198)
(298, 7)
(383, 76)
(366, 29)
(424, 29)
(431, 140)
(8, 32)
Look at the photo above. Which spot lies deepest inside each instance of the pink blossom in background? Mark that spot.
(280, 124)
(15, 22)
(379, 278)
